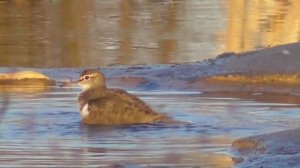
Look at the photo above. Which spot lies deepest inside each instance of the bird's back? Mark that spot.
(116, 106)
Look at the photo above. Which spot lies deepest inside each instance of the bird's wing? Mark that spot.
(125, 96)
(114, 110)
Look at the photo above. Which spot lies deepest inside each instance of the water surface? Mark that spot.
(96, 33)
(43, 128)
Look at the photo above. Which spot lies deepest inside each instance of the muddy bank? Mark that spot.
(272, 70)
(280, 149)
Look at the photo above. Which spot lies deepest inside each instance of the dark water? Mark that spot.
(43, 128)
(96, 33)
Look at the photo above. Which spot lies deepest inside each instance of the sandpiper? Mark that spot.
(100, 105)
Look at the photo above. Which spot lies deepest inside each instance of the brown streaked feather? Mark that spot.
(116, 106)
(112, 111)
(125, 96)
(112, 106)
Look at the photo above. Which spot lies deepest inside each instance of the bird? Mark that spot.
(99, 105)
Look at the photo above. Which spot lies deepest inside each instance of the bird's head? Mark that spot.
(91, 78)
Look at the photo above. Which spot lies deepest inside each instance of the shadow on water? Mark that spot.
(44, 128)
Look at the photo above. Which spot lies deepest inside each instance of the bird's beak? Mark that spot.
(77, 81)
(68, 82)
(63, 83)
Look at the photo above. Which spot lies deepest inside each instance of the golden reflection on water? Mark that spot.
(261, 23)
(96, 33)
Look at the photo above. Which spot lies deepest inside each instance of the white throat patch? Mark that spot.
(85, 87)
(84, 112)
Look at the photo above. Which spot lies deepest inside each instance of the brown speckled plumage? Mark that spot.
(112, 106)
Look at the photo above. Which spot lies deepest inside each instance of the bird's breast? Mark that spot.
(84, 112)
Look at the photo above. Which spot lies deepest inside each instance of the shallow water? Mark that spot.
(44, 129)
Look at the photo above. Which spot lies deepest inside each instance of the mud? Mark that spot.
(280, 149)
(273, 69)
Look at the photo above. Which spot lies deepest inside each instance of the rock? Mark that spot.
(24, 81)
(24, 75)
(279, 149)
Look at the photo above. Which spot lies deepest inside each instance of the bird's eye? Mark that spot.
(86, 77)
